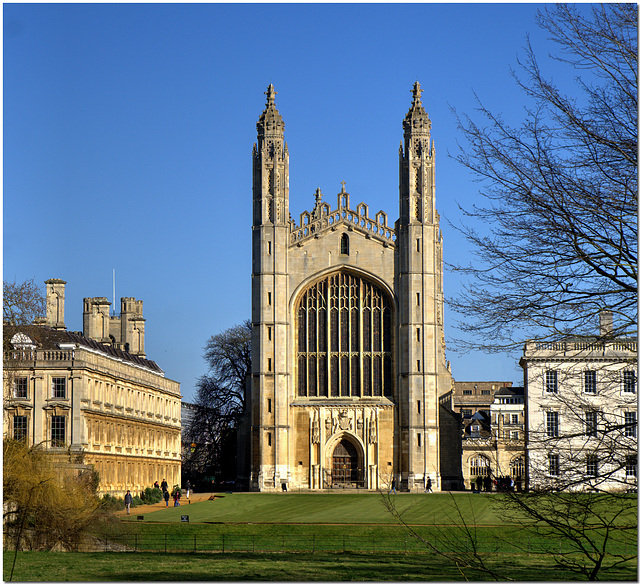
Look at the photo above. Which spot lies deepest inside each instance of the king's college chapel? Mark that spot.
(349, 386)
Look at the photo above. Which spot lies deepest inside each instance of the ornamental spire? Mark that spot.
(270, 122)
(416, 122)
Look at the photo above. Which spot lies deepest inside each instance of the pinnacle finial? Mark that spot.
(417, 94)
(271, 95)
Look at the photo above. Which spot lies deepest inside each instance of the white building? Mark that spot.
(581, 412)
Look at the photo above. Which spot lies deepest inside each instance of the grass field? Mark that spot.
(287, 525)
(150, 567)
(330, 508)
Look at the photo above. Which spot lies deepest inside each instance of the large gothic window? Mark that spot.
(345, 339)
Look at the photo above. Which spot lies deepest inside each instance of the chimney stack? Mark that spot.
(606, 322)
(55, 304)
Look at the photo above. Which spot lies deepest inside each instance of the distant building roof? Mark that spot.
(48, 338)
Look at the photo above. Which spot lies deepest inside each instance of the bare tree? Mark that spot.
(22, 302)
(556, 237)
(220, 401)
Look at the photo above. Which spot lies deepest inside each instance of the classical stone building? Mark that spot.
(581, 408)
(494, 445)
(349, 384)
(93, 395)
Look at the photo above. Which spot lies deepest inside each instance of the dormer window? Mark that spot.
(22, 341)
(344, 244)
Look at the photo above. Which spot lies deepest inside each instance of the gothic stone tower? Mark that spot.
(349, 384)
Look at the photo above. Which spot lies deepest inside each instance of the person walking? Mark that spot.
(164, 485)
(393, 486)
(165, 496)
(128, 499)
(428, 487)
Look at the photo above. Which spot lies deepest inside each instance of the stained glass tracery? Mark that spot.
(345, 339)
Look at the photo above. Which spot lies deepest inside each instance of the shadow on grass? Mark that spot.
(111, 566)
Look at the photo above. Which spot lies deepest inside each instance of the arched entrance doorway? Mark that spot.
(345, 470)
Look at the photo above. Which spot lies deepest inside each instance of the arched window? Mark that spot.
(517, 467)
(479, 466)
(344, 244)
(345, 339)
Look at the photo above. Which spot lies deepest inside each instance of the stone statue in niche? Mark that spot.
(315, 430)
(327, 425)
(373, 430)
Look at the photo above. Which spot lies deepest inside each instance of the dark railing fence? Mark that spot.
(229, 543)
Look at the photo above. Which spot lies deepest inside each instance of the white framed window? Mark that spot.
(514, 435)
(552, 424)
(630, 424)
(58, 431)
(592, 465)
(591, 423)
(59, 387)
(517, 467)
(554, 464)
(551, 381)
(20, 387)
(479, 466)
(19, 427)
(631, 466)
(629, 381)
(590, 382)
(514, 418)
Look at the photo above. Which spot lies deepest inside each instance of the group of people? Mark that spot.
(501, 484)
(175, 494)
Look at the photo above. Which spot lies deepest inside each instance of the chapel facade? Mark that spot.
(349, 385)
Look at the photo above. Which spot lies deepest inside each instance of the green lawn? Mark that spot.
(366, 508)
(353, 537)
(122, 567)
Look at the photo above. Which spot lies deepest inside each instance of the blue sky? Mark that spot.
(128, 131)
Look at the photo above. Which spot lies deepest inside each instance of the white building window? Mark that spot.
(629, 381)
(630, 424)
(19, 427)
(631, 466)
(58, 431)
(20, 387)
(514, 418)
(591, 423)
(592, 465)
(552, 424)
(554, 465)
(590, 382)
(551, 381)
(517, 467)
(479, 466)
(59, 387)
